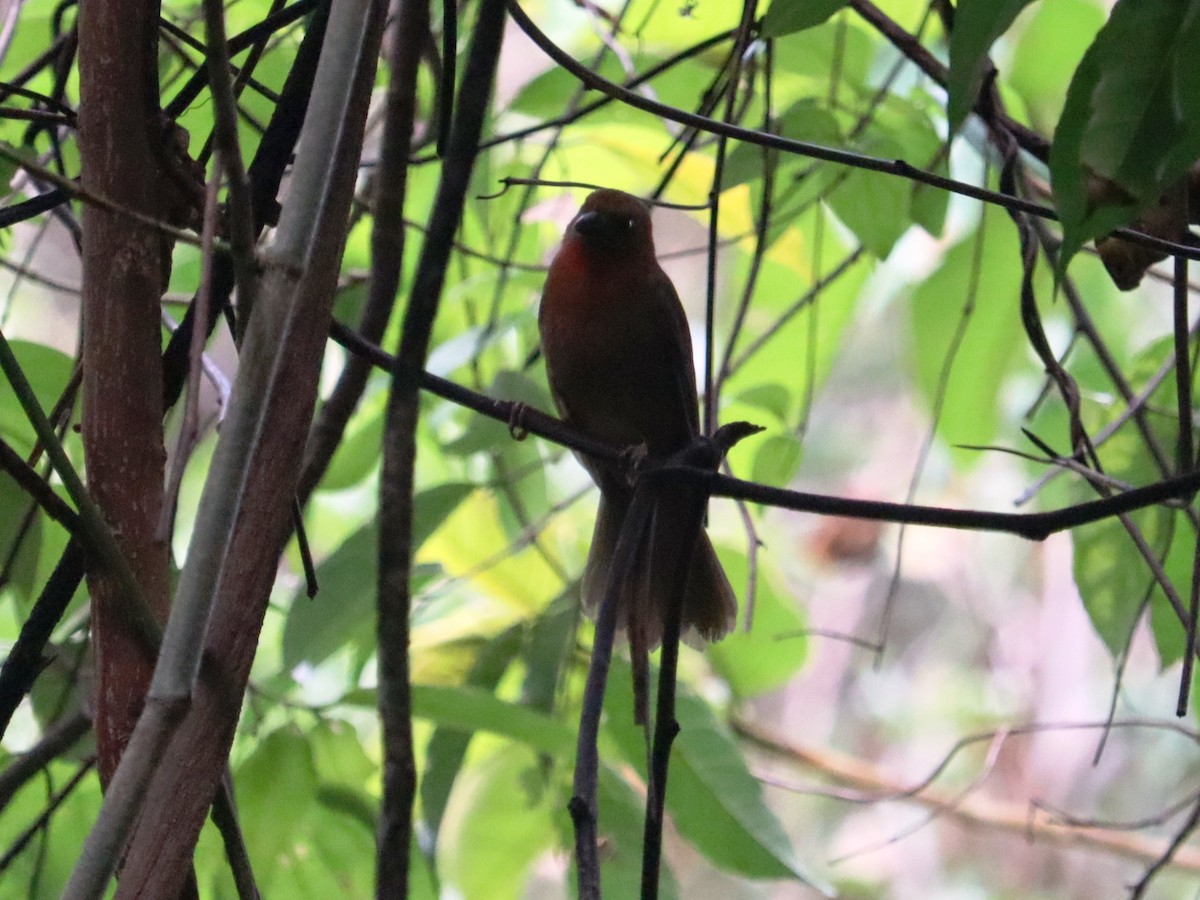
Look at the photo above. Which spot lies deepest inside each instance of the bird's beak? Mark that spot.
(589, 224)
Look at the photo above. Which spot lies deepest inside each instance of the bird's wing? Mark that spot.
(676, 347)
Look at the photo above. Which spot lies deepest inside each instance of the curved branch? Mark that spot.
(896, 167)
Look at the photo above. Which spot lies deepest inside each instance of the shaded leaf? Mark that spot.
(472, 709)
(1112, 575)
(47, 371)
(977, 25)
(550, 651)
(715, 802)
(344, 609)
(1129, 120)
(281, 765)
(357, 454)
(789, 16)
(806, 120)
(621, 825)
(758, 661)
(17, 504)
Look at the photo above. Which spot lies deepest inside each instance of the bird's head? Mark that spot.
(613, 222)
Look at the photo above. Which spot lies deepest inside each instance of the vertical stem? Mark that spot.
(583, 807)
(399, 453)
(665, 726)
(1183, 367)
(387, 241)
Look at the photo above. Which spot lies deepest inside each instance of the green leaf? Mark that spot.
(344, 609)
(23, 569)
(789, 16)
(1050, 48)
(546, 96)
(718, 805)
(843, 46)
(278, 773)
(993, 340)
(772, 397)
(806, 120)
(498, 821)
(1169, 635)
(977, 25)
(622, 821)
(357, 454)
(758, 661)
(472, 709)
(447, 747)
(1112, 575)
(483, 433)
(48, 863)
(339, 756)
(715, 802)
(47, 370)
(550, 651)
(872, 205)
(777, 460)
(8, 168)
(1129, 118)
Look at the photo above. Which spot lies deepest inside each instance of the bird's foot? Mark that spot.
(632, 458)
(516, 420)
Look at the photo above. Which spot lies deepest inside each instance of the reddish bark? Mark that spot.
(125, 267)
(181, 791)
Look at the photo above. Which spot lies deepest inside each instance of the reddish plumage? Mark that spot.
(619, 359)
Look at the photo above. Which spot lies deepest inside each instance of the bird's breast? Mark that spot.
(602, 341)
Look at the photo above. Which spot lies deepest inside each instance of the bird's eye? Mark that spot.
(629, 224)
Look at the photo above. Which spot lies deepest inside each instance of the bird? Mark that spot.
(618, 356)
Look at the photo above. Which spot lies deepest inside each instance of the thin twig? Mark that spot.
(240, 212)
(37, 487)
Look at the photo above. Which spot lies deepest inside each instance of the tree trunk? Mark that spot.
(125, 268)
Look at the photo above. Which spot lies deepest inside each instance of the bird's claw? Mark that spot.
(632, 458)
(516, 419)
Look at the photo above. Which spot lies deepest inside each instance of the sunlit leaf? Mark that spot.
(1050, 48)
(777, 460)
(980, 285)
(447, 747)
(500, 818)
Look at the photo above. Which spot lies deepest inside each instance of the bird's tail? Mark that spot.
(710, 607)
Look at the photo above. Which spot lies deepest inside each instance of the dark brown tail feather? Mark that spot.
(710, 606)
